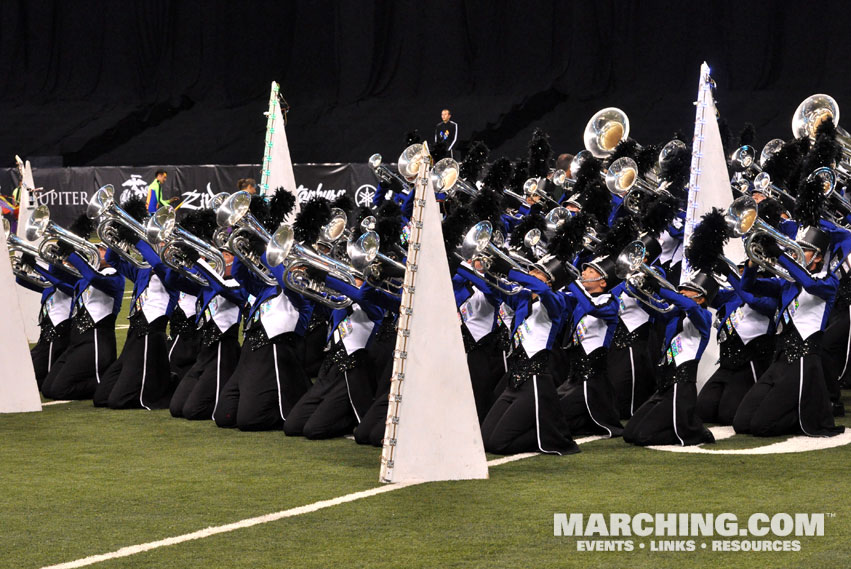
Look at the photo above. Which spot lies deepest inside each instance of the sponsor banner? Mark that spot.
(66, 191)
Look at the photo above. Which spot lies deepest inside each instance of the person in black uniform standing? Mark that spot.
(447, 131)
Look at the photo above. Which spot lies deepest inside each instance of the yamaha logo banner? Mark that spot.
(66, 191)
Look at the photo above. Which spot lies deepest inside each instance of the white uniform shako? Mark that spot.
(534, 332)
(478, 314)
(590, 332)
(354, 330)
(154, 299)
(57, 307)
(98, 303)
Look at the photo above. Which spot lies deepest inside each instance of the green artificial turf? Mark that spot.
(78, 481)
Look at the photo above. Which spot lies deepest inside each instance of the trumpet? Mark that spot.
(161, 228)
(109, 216)
(631, 268)
(385, 174)
(234, 211)
(742, 219)
(17, 249)
(39, 226)
(282, 248)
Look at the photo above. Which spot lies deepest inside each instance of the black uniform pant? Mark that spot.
(836, 351)
(631, 372)
(487, 365)
(265, 385)
(527, 418)
(140, 378)
(370, 430)
(789, 398)
(334, 405)
(183, 349)
(46, 352)
(198, 392)
(587, 398)
(81, 367)
(722, 394)
(669, 418)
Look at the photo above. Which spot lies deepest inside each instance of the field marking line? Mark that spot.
(57, 402)
(249, 522)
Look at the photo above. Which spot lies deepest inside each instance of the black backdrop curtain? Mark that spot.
(167, 81)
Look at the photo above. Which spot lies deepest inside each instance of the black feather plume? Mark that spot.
(676, 170)
(826, 151)
(540, 153)
(82, 226)
(534, 220)
(568, 238)
(281, 205)
(588, 172)
(475, 160)
(626, 147)
(519, 176)
(707, 242)
(412, 137)
(596, 200)
(658, 213)
(361, 214)
(455, 227)
(200, 223)
(784, 163)
(748, 135)
(498, 175)
(138, 210)
(345, 203)
(808, 203)
(309, 221)
(622, 233)
(486, 207)
(771, 212)
(647, 158)
(388, 225)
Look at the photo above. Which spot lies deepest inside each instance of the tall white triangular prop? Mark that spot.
(709, 187)
(432, 428)
(277, 165)
(29, 301)
(18, 388)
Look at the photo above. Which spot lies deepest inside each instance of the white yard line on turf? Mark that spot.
(60, 402)
(214, 530)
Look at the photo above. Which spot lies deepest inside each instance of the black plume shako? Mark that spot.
(540, 153)
(486, 207)
(771, 212)
(309, 221)
(568, 239)
(138, 210)
(826, 151)
(623, 232)
(785, 165)
(658, 213)
(281, 205)
(475, 160)
(498, 175)
(707, 243)
(518, 178)
(200, 222)
(455, 227)
(626, 147)
(647, 158)
(808, 202)
(81, 227)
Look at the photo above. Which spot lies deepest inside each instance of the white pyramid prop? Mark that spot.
(709, 187)
(29, 301)
(18, 388)
(432, 428)
(277, 165)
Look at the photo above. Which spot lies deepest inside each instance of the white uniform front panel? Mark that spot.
(534, 332)
(278, 315)
(478, 314)
(630, 312)
(58, 307)
(354, 330)
(154, 299)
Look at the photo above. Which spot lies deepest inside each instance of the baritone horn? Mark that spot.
(39, 226)
(811, 113)
(234, 211)
(631, 268)
(103, 210)
(605, 130)
(385, 174)
(17, 249)
(301, 261)
(742, 219)
(162, 228)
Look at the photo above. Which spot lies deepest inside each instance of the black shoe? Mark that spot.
(839, 409)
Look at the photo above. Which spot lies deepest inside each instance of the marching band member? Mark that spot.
(668, 417)
(54, 317)
(791, 396)
(141, 376)
(91, 347)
